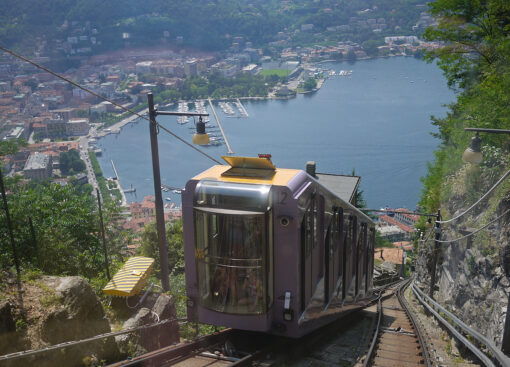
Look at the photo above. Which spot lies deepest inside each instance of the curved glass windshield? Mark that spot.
(231, 254)
(229, 195)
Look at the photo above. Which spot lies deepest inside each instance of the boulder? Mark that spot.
(156, 307)
(75, 313)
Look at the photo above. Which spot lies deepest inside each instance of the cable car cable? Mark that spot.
(104, 99)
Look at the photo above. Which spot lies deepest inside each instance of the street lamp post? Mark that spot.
(473, 153)
(160, 216)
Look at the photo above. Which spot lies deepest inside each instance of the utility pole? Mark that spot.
(435, 254)
(11, 235)
(160, 217)
(102, 234)
(34, 240)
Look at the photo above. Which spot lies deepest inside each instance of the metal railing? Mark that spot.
(435, 308)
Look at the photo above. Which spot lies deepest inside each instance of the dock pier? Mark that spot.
(242, 109)
(124, 200)
(229, 150)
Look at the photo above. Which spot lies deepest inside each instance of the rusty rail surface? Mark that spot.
(397, 340)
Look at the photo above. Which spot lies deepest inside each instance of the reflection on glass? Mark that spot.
(230, 254)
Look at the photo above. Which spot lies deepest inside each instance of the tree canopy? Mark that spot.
(475, 58)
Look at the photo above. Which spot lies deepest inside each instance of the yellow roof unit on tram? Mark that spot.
(249, 170)
(131, 277)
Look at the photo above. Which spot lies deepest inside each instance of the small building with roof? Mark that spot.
(38, 166)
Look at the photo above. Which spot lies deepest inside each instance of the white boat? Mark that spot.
(168, 199)
(176, 191)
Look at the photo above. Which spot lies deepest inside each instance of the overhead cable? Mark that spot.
(475, 232)
(430, 232)
(479, 200)
(104, 99)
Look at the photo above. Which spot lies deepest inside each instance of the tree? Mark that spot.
(310, 84)
(66, 225)
(351, 56)
(476, 40)
(70, 162)
(371, 47)
(175, 244)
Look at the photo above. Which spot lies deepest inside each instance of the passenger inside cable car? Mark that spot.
(231, 250)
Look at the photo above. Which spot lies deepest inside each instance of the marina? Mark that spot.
(229, 149)
(389, 116)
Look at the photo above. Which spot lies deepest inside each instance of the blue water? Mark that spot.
(376, 122)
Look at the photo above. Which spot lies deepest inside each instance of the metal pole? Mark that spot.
(11, 235)
(101, 224)
(9, 226)
(34, 240)
(160, 217)
(435, 255)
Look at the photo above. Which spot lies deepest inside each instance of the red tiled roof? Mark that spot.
(395, 222)
(392, 255)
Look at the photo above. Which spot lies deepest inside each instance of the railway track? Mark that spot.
(344, 342)
(229, 347)
(397, 340)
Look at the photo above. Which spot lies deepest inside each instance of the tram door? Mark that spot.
(308, 234)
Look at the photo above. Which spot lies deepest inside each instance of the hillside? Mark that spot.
(92, 27)
(472, 261)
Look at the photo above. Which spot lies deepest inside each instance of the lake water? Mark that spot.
(376, 122)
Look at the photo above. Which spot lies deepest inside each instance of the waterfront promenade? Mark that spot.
(118, 125)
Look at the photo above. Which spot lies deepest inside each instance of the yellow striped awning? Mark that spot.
(131, 278)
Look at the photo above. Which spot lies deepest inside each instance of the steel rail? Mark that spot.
(418, 333)
(32, 352)
(379, 319)
(176, 352)
(498, 354)
(376, 333)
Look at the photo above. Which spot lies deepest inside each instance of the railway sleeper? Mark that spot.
(400, 351)
(388, 362)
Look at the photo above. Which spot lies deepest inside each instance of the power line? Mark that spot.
(479, 200)
(104, 99)
(475, 232)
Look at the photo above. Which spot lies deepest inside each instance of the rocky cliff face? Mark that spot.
(472, 274)
(56, 310)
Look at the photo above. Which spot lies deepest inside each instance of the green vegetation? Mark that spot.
(175, 244)
(66, 225)
(66, 238)
(203, 25)
(278, 72)
(95, 164)
(310, 84)
(381, 241)
(475, 61)
(217, 86)
(70, 162)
